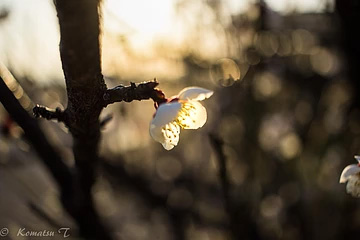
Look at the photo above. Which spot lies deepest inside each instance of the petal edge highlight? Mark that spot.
(195, 93)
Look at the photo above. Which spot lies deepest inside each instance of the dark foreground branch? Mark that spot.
(36, 137)
(142, 91)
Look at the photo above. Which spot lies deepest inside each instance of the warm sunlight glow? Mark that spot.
(141, 38)
(142, 17)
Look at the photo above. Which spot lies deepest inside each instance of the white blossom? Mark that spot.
(351, 176)
(182, 111)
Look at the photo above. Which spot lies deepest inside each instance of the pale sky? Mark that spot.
(29, 37)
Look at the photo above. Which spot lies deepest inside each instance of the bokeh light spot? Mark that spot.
(322, 61)
(271, 206)
(168, 168)
(290, 146)
(225, 72)
(266, 85)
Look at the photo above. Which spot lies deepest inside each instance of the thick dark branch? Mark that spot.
(80, 57)
(142, 91)
(49, 114)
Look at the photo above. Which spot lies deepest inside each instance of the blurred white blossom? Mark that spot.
(182, 111)
(351, 175)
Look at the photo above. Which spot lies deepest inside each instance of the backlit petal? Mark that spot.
(353, 186)
(165, 113)
(168, 135)
(357, 158)
(171, 134)
(157, 134)
(349, 171)
(192, 115)
(195, 93)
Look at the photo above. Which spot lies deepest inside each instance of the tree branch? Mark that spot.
(36, 137)
(142, 91)
(240, 222)
(137, 183)
(80, 57)
(217, 144)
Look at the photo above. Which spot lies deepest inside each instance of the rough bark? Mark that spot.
(80, 57)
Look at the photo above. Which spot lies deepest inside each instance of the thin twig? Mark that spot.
(49, 114)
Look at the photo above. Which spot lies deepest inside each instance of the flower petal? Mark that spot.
(353, 186)
(171, 134)
(156, 133)
(195, 93)
(192, 115)
(349, 171)
(165, 113)
(357, 158)
(167, 135)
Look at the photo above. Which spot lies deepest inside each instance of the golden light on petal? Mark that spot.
(171, 133)
(192, 115)
(225, 72)
(183, 112)
(353, 186)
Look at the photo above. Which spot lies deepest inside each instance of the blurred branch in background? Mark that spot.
(118, 176)
(241, 224)
(285, 110)
(36, 137)
(52, 160)
(4, 13)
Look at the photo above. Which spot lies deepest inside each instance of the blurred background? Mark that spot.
(285, 110)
